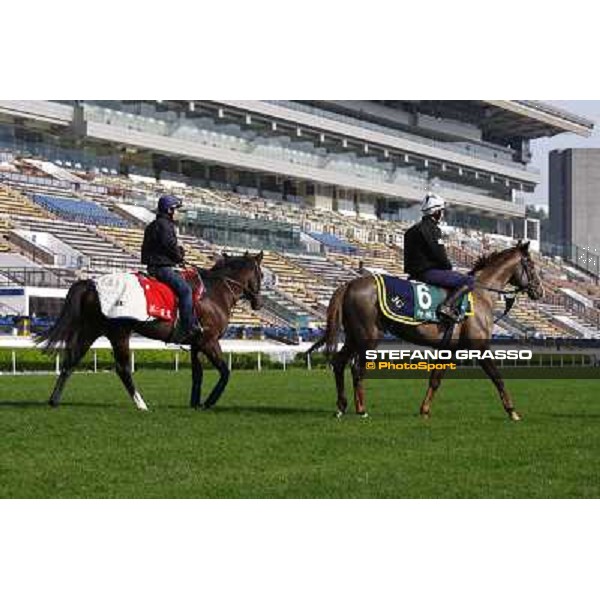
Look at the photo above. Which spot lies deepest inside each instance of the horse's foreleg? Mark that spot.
(197, 374)
(339, 362)
(487, 364)
(215, 356)
(71, 358)
(435, 380)
(120, 346)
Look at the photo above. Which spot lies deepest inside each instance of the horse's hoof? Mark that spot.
(53, 404)
(338, 414)
(363, 415)
(205, 406)
(514, 416)
(425, 415)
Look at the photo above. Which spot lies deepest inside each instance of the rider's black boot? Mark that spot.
(448, 309)
(181, 336)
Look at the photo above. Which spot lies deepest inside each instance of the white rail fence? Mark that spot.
(278, 352)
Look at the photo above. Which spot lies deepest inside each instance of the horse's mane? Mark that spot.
(486, 260)
(225, 265)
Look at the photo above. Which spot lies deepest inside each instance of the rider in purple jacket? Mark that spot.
(425, 257)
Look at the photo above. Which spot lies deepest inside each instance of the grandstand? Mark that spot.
(327, 189)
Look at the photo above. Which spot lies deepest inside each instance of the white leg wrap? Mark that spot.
(139, 401)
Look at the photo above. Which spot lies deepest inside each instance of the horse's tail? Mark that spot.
(66, 330)
(334, 322)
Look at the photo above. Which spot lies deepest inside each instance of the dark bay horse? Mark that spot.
(354, 306)
(81, 323)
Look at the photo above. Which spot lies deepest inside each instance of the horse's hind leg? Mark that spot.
(435, 380)
(339, 362)
(71, 358)
(359, 367)
(120, 346)
(487, 364)
(358, 373)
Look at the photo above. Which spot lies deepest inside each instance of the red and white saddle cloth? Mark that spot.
(137, 296)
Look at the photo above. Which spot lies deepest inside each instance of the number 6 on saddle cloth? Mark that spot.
(414, 302)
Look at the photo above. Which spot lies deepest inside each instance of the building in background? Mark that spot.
(575, 202)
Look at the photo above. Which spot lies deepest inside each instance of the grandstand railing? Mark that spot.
(588, 313)
(52, 183)
(580, 257)
(30, 276)
(226, 229)
(283, 313)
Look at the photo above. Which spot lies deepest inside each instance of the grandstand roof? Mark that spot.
(503, 120)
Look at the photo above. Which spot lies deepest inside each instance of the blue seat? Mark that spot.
(331, 241)
(81, 211)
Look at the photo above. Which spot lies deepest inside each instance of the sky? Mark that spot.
(541, 148)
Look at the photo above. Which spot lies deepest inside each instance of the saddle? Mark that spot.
(162, 301)
(412, 302)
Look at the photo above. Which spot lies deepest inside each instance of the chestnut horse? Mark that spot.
(81, 322)
(354, 306)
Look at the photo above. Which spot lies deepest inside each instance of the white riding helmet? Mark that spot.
(432, 203)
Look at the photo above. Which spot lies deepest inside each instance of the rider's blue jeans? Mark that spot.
(447, 278)
(183, 290)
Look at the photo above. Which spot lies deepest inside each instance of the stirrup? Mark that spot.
(448, 313)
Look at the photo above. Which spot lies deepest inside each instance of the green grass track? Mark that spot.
(273, 435)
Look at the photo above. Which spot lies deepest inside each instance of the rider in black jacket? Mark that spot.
(425, 257)
(161, 252)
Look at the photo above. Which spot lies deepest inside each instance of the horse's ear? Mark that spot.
(259, 257)
(524, 246)
(246, 253)
(225, 255)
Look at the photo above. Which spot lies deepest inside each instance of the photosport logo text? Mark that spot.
(404, 362)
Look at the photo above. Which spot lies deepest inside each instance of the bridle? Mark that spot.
(510, 296)
(245, 290)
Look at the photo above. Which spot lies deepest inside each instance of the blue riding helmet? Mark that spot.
(168, 203)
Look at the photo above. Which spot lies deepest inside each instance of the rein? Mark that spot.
(243, 289)
(510, 296)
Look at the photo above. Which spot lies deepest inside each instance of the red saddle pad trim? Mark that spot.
(161, 300)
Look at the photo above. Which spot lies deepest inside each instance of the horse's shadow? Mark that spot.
(43, 404)
(259, 410)
(572, 416)
(22, 403)
(228, 409)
